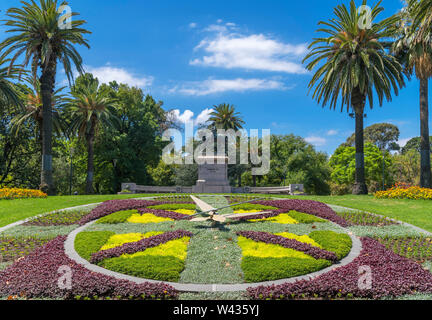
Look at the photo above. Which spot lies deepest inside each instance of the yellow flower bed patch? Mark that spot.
(305, 238)
(283, 218)
(118, 240)
(174, 248)
(184, 211)
(147, 218)
(15, 193)
(264, 250)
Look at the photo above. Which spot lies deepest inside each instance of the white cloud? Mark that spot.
(193, 25)
(229, 50)
(213, 86)
(188, 116)
(316, 141)
(108, 73)
(332, 132)
(403, 142)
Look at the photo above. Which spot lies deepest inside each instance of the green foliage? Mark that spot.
(225, 117)
(174, 206)
(293, 160)
(87, 243)
(266, 269)
(339, 243)
(343, 164)
(162, 175)
(59, 218)
(301, 217)
(117, 217)
(414, 145)
(163, 268)
(253, 206)
(186, 175)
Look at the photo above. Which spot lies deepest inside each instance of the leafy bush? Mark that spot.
(164, 268)
(35, 276)
(87, 243)
(257, 269)
(117, 217)
(15, 193)
(339, 243)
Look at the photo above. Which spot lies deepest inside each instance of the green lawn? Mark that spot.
(416, 212)
(15, 210)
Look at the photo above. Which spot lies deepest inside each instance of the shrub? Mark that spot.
(257, 269)
(117, 217)
(89, 242)
(339, 243)
(303, 217)
(15, 193)
(163, 268)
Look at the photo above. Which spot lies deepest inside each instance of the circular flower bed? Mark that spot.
(156, 240)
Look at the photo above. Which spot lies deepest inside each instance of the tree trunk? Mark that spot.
(47, 81)
(425, 171)
(358, 104)
(254, 181)
(90, 159)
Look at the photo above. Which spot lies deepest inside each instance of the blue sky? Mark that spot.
(196, 54)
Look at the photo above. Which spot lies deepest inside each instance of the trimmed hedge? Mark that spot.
(339, 243)
(90, 242)
(163, 268)
(304, 217)
(117, 217)
(265, 269)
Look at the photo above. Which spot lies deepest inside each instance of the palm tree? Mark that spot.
(40, 38)
(413, 48)
(355, 66)
(225, 117)
(88, 109)
(33, 109)
(8, 92)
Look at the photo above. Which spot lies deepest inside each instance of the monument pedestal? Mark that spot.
(212, 176)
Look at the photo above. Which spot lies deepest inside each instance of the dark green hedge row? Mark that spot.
(339, 243)
(89, 242)
(265, 269)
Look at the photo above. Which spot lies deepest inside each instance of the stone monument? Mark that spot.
(212, 175)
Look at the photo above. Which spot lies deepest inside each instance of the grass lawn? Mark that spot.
(416, 212)
(15, 210)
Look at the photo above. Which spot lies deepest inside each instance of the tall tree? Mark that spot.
(8, 93)
(40, 36)
(89, 107)
(414, 50)
(383, 135)
(355, 65)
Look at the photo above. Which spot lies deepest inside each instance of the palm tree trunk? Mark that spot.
(47, 81)
(90, 160)
(425, 171)
(358, 103)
